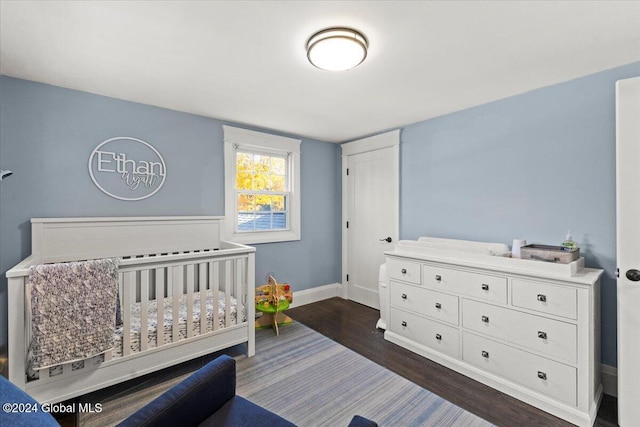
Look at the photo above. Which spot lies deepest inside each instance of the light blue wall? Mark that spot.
(47, 134)
(317, 258)
(530, 166)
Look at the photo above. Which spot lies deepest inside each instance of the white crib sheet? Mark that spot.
(152, 324)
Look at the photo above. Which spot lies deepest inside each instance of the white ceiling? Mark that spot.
(245, 61)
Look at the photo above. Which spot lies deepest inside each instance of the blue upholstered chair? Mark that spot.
(207, 397)
(19, 409)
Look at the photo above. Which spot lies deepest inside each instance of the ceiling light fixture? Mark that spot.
(337, 49)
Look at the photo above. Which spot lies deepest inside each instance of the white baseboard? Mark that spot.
(609, 379)
(319, 293)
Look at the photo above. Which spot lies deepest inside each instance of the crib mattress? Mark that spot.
(167, 330)
(152, 322)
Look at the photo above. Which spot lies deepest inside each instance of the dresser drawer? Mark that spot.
(547, 336)
(545, 298)
(434, 335)
(546, 376)
(482, 286)
(400, 269)
(434, 304)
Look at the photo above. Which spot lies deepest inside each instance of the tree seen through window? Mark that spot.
(262, 191)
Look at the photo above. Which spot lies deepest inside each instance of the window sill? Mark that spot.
(264, 237)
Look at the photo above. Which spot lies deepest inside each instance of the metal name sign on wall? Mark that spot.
(127, 168)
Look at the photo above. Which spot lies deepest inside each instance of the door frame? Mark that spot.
(385, 140)
(627, 293)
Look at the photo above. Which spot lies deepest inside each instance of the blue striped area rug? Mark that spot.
(313, 381)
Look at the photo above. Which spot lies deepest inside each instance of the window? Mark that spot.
(262, 181)
(263, 191)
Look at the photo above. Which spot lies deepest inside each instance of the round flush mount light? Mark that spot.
(337, 49)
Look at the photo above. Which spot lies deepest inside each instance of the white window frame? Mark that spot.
(260, 142)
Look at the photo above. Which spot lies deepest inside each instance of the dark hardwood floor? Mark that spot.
(353, 326)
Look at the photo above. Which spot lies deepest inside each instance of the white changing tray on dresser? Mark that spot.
(530, 329)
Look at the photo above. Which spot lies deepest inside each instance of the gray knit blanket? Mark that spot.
(73, 308)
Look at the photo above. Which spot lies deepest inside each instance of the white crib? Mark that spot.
(180, 259)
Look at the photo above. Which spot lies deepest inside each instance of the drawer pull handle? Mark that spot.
(403, 271)
(485, 354)
(485, 319)
(438, 305)
(485, 287)
(404, 296)
(404, 323)
(542, 298)
(439, 337)
(542, 335)
(542, 375)
(438, 277)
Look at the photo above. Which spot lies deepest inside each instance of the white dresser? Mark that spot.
(528, 328)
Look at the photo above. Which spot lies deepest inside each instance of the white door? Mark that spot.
(370, 210)
(628, 237)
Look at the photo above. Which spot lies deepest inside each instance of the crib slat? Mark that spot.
(249, 303)
(227, 292)
(238, 291)
(177, 289)
(214, 283)
(189, 297)
(126, 311)
(144, 308)
(160, 306)
(202, 282)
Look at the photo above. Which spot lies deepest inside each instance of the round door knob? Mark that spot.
(485, 319)
(403, 271)
(439, 337)
(633, 275)
(485, 354)
(404, 296)
(388, 240)
(404, 323)
(438, 277)
(438, 305)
